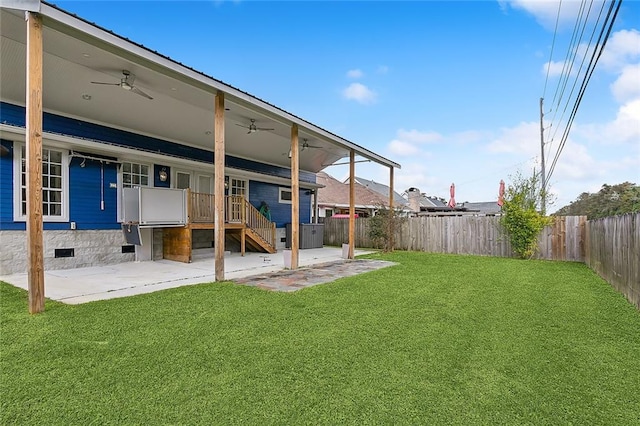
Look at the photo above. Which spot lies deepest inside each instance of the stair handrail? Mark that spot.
(259, 224)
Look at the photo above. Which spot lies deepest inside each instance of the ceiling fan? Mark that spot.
(126, 82)
(252, 127)
(304, 146)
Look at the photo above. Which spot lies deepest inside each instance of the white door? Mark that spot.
(183, 180)
(205, 184)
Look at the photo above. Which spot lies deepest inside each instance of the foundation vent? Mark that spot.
(65, 252)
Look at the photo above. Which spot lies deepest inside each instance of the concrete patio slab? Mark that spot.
(81, 285)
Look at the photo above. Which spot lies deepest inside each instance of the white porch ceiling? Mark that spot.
(76, 53)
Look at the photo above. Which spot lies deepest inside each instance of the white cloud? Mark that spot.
(555, 68)
(408, 142)
(523, 138)
(627, 86)
(355, 73)
(546, 12)
(574, 163)
(403, 148)
(360, 93)
(626, 126)
(414, 175)
(622, 48)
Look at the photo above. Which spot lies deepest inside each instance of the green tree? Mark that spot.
(611, 200)
(383, 226)
(520, 216)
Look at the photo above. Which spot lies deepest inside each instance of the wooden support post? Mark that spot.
(315, 205)
(35, 244)
(391, 210)
(243, 240)
(218, 173)
(352, 203)
(295, 197)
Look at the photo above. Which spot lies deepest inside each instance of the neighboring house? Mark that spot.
(419, 202)
(333, 198)
(398, 200)
(423, 205)
(117, 161)
(486, 208)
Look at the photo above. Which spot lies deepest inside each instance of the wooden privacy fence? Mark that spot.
(613, 251)
(479, 235)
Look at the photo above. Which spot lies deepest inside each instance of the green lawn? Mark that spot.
(438, 339)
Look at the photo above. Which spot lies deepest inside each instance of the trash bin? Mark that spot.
(311, 235)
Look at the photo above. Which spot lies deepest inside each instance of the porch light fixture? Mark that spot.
(226, 182)
(86, 96)
(163, 174)
(289, 153)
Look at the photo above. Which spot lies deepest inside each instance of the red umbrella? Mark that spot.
(452, 200)
(501, 193)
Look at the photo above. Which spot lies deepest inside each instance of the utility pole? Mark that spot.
(543, 179)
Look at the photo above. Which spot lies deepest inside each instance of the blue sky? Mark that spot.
(450, 90)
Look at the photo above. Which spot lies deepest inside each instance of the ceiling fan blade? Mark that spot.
(264, 128)
(244, 127)
(106, 84)
(140, 92)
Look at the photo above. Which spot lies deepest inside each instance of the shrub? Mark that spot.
(520, 218)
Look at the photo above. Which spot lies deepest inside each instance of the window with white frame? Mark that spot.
(134, 174)
(55, 184)
(285, 195)
(238, 187)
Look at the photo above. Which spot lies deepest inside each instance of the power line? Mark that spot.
(572, 52)
(553, 43)
(589, 73)
(567, 64)
(575, 82)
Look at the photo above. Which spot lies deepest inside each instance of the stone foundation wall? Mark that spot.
(91, 248)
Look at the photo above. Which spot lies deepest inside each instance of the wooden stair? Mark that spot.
(243, 222)
(257, 242)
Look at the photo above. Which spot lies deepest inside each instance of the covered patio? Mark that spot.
(82, 285)
(76, 70)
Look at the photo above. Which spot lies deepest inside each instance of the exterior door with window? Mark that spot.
(237, 193)
(202, 208)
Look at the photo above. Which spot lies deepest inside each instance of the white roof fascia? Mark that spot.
(98, 33)
(25, 5)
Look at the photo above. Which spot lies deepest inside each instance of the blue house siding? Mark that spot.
(280, 212)
(15, 115)
(6, 184)
(85, 183)
(85, 207)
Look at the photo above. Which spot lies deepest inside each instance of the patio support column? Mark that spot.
(352, 203)
(295, 196)
(391, 212)
(315, 205)
(218, 173)
(35, 244)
